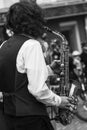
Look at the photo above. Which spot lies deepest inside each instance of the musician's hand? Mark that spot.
(65, 101)
(68, 102)
(1, 97)
(55, 66)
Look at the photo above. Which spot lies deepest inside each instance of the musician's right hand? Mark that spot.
(65, 101)
(68, 103)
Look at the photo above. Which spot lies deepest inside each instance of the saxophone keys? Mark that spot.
(62, 65)
(62, 73)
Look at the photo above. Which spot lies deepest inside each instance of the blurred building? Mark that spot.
(67, 16)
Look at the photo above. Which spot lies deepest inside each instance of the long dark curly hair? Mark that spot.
(26, 18)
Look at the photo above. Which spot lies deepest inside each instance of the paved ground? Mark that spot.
(75, 125)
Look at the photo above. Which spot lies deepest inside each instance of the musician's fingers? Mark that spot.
(71, 107)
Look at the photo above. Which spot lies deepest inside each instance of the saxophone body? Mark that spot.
(63, 115)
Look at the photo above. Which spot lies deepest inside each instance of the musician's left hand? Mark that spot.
(55, 66)
(1, 97)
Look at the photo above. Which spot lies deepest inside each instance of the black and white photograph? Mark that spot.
(43, 64)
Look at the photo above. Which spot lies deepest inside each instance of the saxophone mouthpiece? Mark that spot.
(47, 28)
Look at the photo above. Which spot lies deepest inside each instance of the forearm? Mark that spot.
(45, 95)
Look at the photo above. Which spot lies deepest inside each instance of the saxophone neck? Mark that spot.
(58, 34)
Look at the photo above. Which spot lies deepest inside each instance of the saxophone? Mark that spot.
(63, 115)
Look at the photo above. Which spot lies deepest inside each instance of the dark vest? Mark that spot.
(17, 99)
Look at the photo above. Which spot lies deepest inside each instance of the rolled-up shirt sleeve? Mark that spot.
(37, 73)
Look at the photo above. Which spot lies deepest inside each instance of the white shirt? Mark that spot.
(30, 60)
